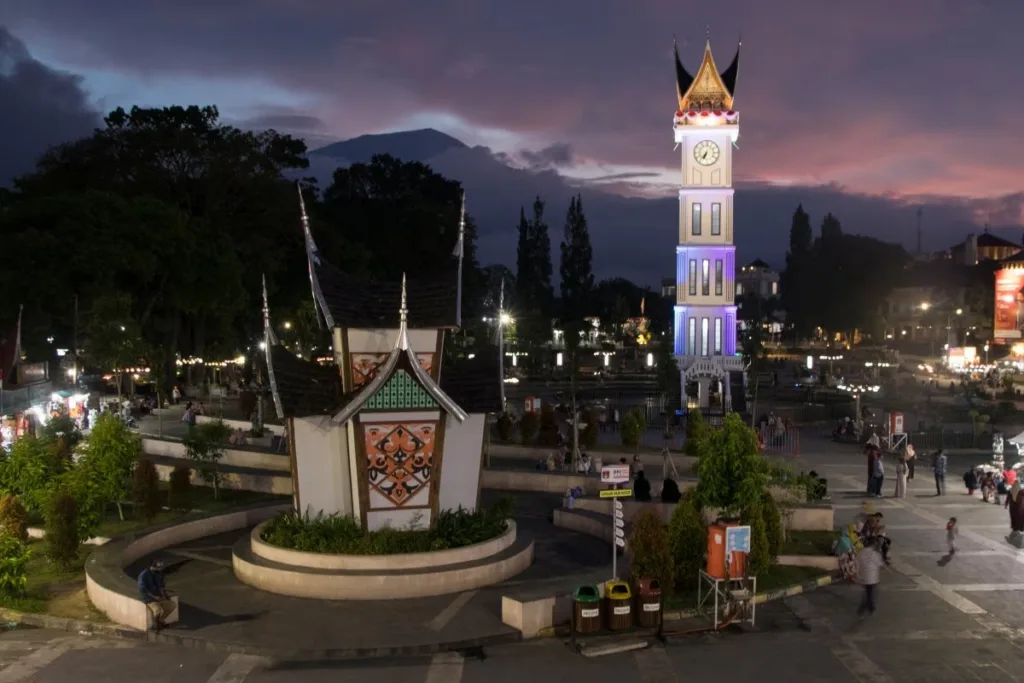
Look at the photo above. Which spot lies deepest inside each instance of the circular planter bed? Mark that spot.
(437, 558)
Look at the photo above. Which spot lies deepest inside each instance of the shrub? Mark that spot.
(14, 556)
(110, 454)
(588, 435)
(731, 473)
(13, 518)
(650, 554)
(338, 534)
(528, 427)
(697, 431)
(146, 489)
(62, 537)
(547, 434)
(179, 489)
(759, 559)
(504, 427)
(688, 539)
(633, 426)
(205, 445)
(29, 470)
(63, 434)
(772, 525)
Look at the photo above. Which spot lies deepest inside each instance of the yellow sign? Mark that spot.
(616, 493)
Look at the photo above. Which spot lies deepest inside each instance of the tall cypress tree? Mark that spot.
(576, 287)
(533, 277)
(796, 278)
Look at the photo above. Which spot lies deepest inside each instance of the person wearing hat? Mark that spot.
(154, 593)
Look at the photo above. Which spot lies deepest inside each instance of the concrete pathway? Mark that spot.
(938, 621)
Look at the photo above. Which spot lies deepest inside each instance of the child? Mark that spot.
(951, 534)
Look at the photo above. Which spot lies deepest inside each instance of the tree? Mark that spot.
(110, 454)
(113, 338)
(795, 280)
(759, 558)
(62, 530)
(576, 285)
(146, 489)
(696, 434)
(205, 445)
(668, 375)
(731, 473)
(30, 469)
(172, 203)
(533, 290)
(773, 526)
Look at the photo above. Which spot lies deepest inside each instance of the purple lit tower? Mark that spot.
(706, 128)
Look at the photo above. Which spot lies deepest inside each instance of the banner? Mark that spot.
(1009, 282)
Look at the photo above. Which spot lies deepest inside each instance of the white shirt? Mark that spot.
(869, 566)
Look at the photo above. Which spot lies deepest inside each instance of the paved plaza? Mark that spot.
(939, 619)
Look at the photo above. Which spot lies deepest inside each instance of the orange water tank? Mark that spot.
(716, 565)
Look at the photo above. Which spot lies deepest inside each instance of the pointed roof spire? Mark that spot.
(312, 261)
(402, 342)
(707, 87)
(269, 338)
(269, 342)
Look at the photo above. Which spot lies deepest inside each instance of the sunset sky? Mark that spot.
(895, 98)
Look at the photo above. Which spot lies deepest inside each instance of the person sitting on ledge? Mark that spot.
(670, 491)
(154, 593)
(641, 488)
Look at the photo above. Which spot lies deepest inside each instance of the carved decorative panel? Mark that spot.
(365, 365)
(400, 461)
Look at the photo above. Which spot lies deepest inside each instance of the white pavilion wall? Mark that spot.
(460, 467)
(322, 466)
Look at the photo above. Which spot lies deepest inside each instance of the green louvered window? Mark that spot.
(401, 391)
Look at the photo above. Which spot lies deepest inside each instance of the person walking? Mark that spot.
(910, 456)
(869, 570)
(879, 475)
(939, 468)
(952, 531)
(901, 478)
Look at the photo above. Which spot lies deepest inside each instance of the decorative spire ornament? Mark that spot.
(269, 341)
(312, 259)
(460, 248)
(403, 321)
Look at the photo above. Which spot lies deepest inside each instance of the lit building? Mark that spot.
(759, 278)
(983, 247)
(706, 126)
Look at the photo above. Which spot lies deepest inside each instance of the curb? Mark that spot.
(761, 598)
(79, 626)
(96, 628)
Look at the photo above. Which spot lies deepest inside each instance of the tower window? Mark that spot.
(705, 277)
(718, 336)
(693, 277)
(716, 219)
(695, 219)
(775, 288)
(704, 336)
(691, 337)
(719, 272)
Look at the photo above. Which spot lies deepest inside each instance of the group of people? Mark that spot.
(863, 550)
(905, 466)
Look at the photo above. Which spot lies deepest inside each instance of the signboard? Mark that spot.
(615, 474)
(31, 373)
(1007, 309)
(895, 423)
(616, 493)
(737, 539)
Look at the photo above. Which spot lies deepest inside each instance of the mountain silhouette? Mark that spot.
(410, 145)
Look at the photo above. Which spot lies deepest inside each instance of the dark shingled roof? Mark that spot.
(306, 388)
(758, 263)
(361, 303)
(474, 383)
(987, 239)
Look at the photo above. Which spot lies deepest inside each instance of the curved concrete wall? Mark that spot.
(242, 424)
(439, 558)
(115, 594)
(319, 584)
(234, 457)
(545, 482)
(808, 517)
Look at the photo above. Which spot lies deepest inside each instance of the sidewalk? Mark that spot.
(220, 613)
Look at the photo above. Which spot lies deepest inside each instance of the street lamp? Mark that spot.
(856, 390)
(986, 353)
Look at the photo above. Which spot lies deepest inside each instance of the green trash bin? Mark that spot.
(620, 605)
(586, 605)
(648, 603)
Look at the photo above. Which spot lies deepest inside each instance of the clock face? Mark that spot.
(706, 152)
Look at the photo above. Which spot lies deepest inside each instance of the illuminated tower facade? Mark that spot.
(706, 127)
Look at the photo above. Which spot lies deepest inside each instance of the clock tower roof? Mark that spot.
(707, 89)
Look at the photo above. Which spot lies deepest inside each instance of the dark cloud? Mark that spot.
(39, 107)
(558, 155)
(288, 122)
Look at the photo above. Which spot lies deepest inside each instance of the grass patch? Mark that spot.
(53, 592)
(778, 576)
(809, 543)
(342, 535)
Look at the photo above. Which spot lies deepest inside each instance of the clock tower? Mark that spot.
(706, 127)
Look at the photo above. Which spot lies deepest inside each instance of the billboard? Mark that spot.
(1009, 282)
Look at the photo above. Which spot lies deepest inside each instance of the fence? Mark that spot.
(782, 440)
